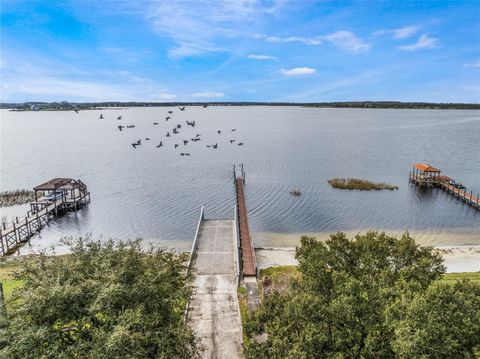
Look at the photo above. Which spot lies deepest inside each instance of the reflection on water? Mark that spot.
(156, 194)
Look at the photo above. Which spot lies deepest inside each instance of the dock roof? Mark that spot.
(53, 184)
(426, 167)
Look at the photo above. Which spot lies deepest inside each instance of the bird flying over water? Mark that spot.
(101, 116)
(215, 146)
(76, 111)
(185, 142)
(170, 112)
(182, 108)
(121, 127)
(240, 144)
(168, 134)
(232, 141)
(179, 126)
(160, 144)
(147, 139)
(176, 145)
(138, 143)
(167, 118)
(234, 129)
(175, 130)
(155, 123)
(219, 132)
(191, 123)
(119, 117)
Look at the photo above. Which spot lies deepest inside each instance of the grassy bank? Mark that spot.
(12, 198)
(279, 277)
(7, 270)
(363, 185)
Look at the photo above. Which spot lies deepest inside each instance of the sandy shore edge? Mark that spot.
(457, 258)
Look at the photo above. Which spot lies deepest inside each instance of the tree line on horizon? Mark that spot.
(70, 106)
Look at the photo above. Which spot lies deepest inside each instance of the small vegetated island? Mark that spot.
(12, 198)
(363, 185)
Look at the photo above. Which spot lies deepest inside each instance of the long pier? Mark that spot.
(247, 252)
(65, 194)
(426, 175)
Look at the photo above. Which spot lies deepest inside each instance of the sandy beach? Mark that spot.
(461, 251)
(457, 259)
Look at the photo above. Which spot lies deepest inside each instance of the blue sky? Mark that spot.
(240, 50)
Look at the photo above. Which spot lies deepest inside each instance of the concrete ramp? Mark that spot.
(213, 311)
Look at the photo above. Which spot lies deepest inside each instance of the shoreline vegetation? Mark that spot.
(76, 106)
(359, 184)
(17, 197)
(104, 299)
(371, 294)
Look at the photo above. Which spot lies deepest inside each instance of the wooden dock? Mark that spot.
(427, 176)
(51, 199)
(247, 252)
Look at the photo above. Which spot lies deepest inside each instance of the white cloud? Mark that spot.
(262, 57)
(167, 96)
(207, 94)
(472, 64)
(404, 32)
(348, 41)
(344, 40)
(423, 42)
(298, 71)
(400, 33)
(124, 55)
(29, 77)
(198, 27)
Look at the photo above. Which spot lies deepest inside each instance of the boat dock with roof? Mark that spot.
(425, 175)
(52, 198)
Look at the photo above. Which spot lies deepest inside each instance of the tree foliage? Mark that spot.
(104, 300)
(372, 297)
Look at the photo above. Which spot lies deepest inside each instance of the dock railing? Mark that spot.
(236, 244)
(190, 259)
(247, 252)
(195, 238)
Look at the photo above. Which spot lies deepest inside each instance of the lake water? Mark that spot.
(156, 194)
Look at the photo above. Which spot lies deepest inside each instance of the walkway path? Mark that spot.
(214, 312)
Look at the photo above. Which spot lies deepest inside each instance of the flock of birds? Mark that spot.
(175, 132)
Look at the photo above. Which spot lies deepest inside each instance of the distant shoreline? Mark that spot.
(81, 106)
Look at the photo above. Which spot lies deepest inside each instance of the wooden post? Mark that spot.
(1, 243)
(15, 232)
(3, 307)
